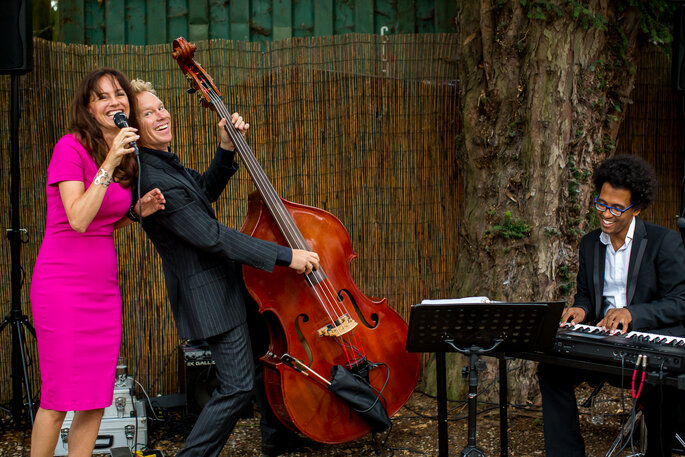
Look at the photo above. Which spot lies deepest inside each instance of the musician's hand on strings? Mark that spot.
(615, 317)
(304, 261)
(572, 315)
(239, 124)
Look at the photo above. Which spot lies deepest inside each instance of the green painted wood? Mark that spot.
(71, 13)
(160, 21)
(303, 18)
(219, 25)
(198, 20)
(115, 23)
(344, 17)
(177, 21)
(425, 16)
(363, 17)
(156, 22)
(261, 20)
(240, 20)
(282, 19)
(406, 17)
(198, 32)
(135, 22)
(445, 14)
(94, 22)
(323, 17)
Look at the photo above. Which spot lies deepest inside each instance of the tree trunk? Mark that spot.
(542, 91)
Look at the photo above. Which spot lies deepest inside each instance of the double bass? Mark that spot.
(318, 322)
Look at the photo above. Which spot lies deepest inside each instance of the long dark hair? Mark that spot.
(82, 124)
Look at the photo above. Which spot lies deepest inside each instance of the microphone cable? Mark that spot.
(138, 326)
(141, 259)
(121, 121)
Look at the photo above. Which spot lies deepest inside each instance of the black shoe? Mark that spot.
(295, 443)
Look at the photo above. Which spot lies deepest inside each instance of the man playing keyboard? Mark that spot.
(631, 276)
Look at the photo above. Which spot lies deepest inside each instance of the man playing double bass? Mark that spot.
(202, 261)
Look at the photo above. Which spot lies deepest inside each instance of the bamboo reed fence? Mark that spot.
(360, 125)
(654, 129)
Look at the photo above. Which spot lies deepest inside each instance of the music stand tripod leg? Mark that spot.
(503, 408)
(475, 365)
(441, 378)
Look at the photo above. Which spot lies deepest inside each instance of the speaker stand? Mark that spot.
(16, 320)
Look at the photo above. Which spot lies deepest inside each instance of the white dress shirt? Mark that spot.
(616, 270)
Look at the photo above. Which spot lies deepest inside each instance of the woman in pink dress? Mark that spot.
(75, 295)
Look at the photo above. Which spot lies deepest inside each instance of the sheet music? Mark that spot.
(452, 301)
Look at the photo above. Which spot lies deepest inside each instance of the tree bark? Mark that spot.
(542, 92)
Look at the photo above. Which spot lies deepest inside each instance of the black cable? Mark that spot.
(161, 371)
(139, 352)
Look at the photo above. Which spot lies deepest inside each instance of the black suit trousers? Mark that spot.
(232, 355)
(661, 407)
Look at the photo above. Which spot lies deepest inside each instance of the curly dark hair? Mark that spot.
(631, 173)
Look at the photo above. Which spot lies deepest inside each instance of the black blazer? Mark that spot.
(656, 279)
(201, 257)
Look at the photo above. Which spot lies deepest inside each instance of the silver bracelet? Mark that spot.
(102, 178)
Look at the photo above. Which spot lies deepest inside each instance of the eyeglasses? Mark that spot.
(601, 207)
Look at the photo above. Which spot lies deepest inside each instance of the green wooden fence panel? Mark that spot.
(261, 23)
(142, 22)
(156, 22)
(115, 22)
(363, 17)
(240, 21)
(283, 19)
(343, 18)
(135, 22)
(303, 18)
(425, 17)
(72, 17)
(177, 19)
(218, 17)
(95, 23)
(198, 21)
(445, 13)
(406, 17)
(323, 17)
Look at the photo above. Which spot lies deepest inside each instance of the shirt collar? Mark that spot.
(167, 156)
(604, 238)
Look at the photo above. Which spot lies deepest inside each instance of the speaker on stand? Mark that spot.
(198, 375)
(16, 59)
(198, 378)
(16, 37)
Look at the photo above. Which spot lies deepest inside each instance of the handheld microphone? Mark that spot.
(121, 122)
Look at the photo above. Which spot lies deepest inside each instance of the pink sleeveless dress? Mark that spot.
(75, 297)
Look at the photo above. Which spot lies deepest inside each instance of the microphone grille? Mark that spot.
(120, 120)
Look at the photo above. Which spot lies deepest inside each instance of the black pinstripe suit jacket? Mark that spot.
(656, 279)
(201, 257)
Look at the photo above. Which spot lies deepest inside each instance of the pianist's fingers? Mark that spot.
(573, 315)
(615, 318)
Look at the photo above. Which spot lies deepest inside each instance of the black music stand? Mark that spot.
(475, 329)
